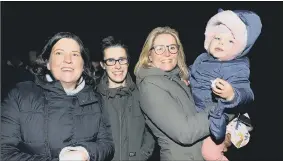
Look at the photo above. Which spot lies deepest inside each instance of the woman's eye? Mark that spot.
(158, 48)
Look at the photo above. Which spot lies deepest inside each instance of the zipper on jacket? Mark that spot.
(120, 129)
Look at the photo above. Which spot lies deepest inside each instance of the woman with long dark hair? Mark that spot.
(58, 116)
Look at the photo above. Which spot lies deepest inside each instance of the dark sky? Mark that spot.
(28, 25)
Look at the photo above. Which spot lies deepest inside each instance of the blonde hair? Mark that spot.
(144, 60)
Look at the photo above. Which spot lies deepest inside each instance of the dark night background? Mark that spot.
(28, 25)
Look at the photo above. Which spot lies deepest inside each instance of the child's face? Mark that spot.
(221, 46)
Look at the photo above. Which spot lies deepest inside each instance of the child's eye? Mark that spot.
(58, 53)
(231, 41)
(217, 38)
(75, 54)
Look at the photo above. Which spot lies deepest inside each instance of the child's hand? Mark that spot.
(223, 89)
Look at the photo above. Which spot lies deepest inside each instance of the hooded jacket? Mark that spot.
(131, 137)
(236, 71)
(39, 119)
(171, 115)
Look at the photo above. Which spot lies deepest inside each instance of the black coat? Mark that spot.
(38, 120)
(131, 137)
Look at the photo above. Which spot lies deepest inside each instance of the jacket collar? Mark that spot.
(103, 87)
(85, 95)
(144, 72)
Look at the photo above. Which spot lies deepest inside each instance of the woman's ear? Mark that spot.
(102, 65)
(150, 57)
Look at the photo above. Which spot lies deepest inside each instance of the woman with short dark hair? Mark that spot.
(121, 100)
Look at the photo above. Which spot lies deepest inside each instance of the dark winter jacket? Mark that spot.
(38, 119)
(131, 137)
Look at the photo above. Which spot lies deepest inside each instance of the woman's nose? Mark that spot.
(67, 58)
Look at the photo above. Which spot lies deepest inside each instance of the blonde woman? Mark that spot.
(166, 99)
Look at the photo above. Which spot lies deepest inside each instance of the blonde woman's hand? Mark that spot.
(186, 82)
(227, 142)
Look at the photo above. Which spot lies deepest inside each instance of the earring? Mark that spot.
(48, 66)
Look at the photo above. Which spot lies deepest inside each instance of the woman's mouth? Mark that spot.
(67, 69)
(118, 73)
